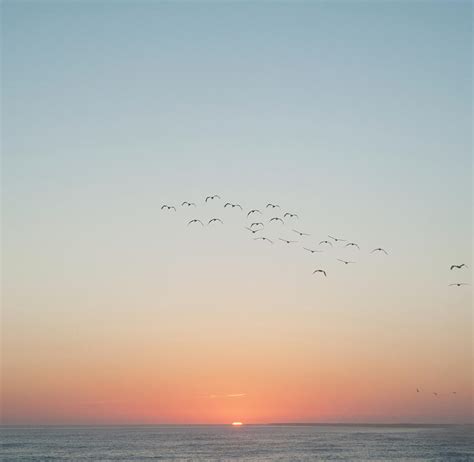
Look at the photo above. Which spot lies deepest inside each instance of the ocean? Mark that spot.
(249, 443)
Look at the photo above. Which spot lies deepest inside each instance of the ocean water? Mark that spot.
(250, 443)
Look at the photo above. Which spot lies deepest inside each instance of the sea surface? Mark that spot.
(249, 442)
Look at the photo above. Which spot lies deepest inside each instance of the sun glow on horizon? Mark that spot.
(237, 424)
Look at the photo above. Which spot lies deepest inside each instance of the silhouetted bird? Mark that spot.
(286, 240)
(188, 204)
(458, 266)
(336, 239)
(379, 249)
(195, 221)
(311, 250)
(263, 239)
(254, 211)
(273, 206)
(326, 242)
(352, 244)
(214, 220)
(276, 219)
(320, 271)
(215, 196)
(233, 205)
(418, 390)
(434, 393)
(300, 233)
(459, 284)
(253, 231)
(344, 261)
(291, 215)
(168, 207)
(257, 223)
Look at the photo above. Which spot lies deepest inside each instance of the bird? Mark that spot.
(336, 239)
(291, 215)
(459, 284)
(320, 271)
(188, 204)
(213, 220)
(326, 242)
(458, 266)
(233, 205)
(454, 393)
(254, 211)
(263, 239)
(311, 250)
(253, 231)
(418, 390)
(434, 393)
(168, 207)
(273, 206)
(286, 240)
(195, 220)
(276, 219)
(352, 244)
(300, 233)
(215, 196)
(379, 249)
(345, 262)
(257, 223)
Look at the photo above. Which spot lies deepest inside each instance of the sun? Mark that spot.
(237, 424)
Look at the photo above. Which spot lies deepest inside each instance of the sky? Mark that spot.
(357, 116)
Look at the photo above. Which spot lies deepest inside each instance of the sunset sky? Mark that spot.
(355, 115)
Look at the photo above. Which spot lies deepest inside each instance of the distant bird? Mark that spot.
(253, 231)
(418, 390)
(352, 244)
(434, 393)
(458, 266)
(273, 206)
(320, 271)
(263, 239)
(168, 207)
(195, 221)
(454, 393)
(291, 215)
(287, 241)
(276, 219)
(214, 220)
(254, 211)
(215, 196)
(459, 284)
(326, 242)
(345, 262)
(257, 223)
(300, 233)
(336, 239)
(188, 204)
(311, 250)
(379, 249)
(232, 205)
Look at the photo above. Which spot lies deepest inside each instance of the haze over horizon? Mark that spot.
(355, 116)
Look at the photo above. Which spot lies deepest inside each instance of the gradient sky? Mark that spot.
(357, 116)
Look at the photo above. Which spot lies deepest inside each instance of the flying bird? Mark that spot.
(458, 266)
(300, 233)
(273, 206)
(352, 244)
(168, 207)
(344, 261)
(311, 250)
(418, 390)
(188, 204)
(336, 239)
(254, 211)
(257, 223)
(253, 231)
(214, 220)
(326, 242)
(195, 220)
(291, 215)
(263, 239)
(379, 249)
(215, 196)
(286, 240)
(459, 284)
(276, 219)
(434, 393)
(454, 393)
(233, 205)
(320, 271)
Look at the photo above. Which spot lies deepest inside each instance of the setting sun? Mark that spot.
(237, 424)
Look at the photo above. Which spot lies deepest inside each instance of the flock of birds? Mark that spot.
(256, 228)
